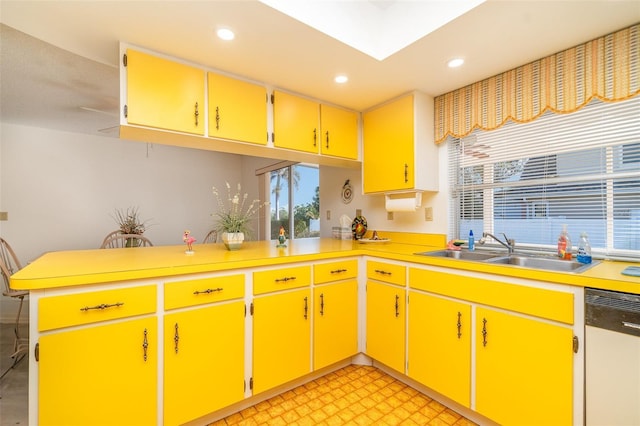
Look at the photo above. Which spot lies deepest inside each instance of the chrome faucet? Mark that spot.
(509, 243)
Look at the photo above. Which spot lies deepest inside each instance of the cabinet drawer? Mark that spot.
(86, 308)
(392, 274)
(335, 271)
(539, 302)
(179, 294)
(281, 279)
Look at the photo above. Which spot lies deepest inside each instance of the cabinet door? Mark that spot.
(339, 132)
(386, 324)
(281, 338)
(237, 109)
(524, 369)
(439, 348)
(388, 154)
(203, 361)
(101, 375)
(335, 332)
(295, 123)
(164, 94)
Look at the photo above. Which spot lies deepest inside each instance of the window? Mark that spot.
(296, 189)
(527, 180)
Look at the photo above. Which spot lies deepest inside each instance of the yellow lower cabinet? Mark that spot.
(281, 338)
(335, 329)
(203, 361)
(523, 370)
(100, 375)
(386, 324)
(439, 349)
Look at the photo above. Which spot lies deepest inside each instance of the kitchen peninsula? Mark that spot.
(109, 327)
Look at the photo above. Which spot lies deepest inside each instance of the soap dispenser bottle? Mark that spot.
(584, 249)
(564, 244)
(471, 242)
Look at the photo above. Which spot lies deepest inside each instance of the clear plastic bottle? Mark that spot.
(584, 249)
(472, 245)
(564, 244)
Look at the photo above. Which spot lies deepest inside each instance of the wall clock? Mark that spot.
(347, 192)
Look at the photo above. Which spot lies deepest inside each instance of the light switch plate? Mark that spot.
(389, 215)
(428, 214)
(4, 215)
(358, 212)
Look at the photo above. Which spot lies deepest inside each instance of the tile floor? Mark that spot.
(354, 395)
(14, 392)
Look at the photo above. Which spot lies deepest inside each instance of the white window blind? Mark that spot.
(527, 180)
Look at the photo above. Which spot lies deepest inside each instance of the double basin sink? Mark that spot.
(539, 262)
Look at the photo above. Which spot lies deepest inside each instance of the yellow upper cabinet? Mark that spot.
(339, 132)
(164, 94)
(237, 109)
(398, 149)
(296, 123)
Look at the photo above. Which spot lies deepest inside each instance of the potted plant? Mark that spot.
(234, 216)
(129, 222)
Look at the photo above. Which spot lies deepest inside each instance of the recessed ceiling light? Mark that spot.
(341, 79)
(226, 34)
(455, 63)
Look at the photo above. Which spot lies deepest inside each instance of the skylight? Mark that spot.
(377, 28)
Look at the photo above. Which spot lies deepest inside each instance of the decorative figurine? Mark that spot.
(189, 240)
(281, 237)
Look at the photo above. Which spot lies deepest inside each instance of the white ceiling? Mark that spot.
(46, 84)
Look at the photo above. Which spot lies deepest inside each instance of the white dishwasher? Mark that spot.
(612, 358)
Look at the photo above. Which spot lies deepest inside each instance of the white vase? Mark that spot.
(233, 240)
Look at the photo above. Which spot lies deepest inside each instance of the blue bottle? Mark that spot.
(472, 242)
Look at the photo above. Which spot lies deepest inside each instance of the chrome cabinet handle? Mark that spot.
(102, 306)
(406, 173)
(459, 324)
(285, 279)
(327, 139)
(321, 303)
(338, 271)
(217, 118)
(315, 137)
(196, 114)
(380, 271)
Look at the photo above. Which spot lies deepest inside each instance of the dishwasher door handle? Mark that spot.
(631, 325)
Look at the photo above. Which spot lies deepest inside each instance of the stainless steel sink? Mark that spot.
(544, 263)
(462, 254)
(502, 258)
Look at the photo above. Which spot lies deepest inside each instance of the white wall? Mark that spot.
(60, 189)
(372, 206)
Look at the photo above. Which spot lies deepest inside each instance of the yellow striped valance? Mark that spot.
(607, 68)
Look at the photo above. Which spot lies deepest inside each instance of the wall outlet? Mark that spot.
(4, 215)
(358, 212)
(428, 214)
(328, 214)
(389, 215)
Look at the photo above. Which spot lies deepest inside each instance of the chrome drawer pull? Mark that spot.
(380, 271)
(102, 306)
(338, 271)
(285, 279)
(207, 291)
